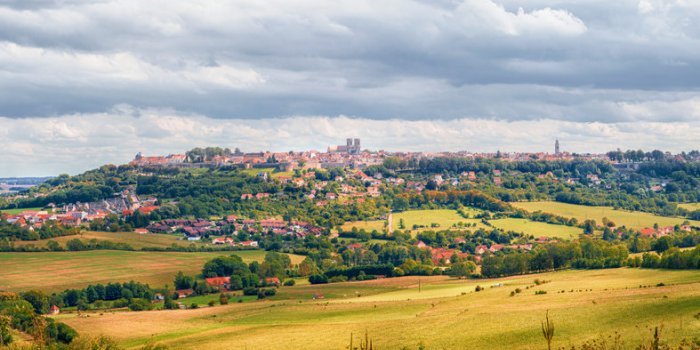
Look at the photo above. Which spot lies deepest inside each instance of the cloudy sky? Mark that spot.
(88, 82)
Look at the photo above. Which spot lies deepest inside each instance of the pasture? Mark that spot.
(690, 206)
(444, 314)
(537, 229)
(135, 240)
(369, 225)
(20, 210)
(444, 218)
(631, 219)
(56, 271)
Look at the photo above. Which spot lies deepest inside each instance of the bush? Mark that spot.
(317, 279)
(138, 304)
(478, 289)
(211, 303)
(539, 292)
(194, 306)
(250, 291)
(223, 299)
(289, 282)
(336, 279)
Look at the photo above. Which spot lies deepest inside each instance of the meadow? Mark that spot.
(57, 271)
(18, 211)
(631, 219)
(135, 240)
(690, 206)
(445, 218)
(537, 229)
(443, 314)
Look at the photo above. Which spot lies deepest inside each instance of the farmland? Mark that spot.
(444, 218)
(368, 226)
(690, 206)
(537, 229)
(135, 240)
(56, 271)
(445, 313)
(635, 220)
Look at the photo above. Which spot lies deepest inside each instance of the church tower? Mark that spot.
(556, 148)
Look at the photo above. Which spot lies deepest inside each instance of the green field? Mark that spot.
(17, 211)
(690, 206)
(56, 271)
(631, 219)
(445, 218)
(537, 229)
(444, 314)
(137, 241)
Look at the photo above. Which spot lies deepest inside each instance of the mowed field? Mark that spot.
(443, 217)
(56, 271)
(444, 314)
(368, 225)
(137, 241)
(690, 206)
(631, 219)
(537, 229)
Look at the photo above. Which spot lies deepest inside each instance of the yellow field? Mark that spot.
(445, 314)
(537, 229)
(690, 206)
(56, 271)
(635, 220)
(137, 241)
(368, 226)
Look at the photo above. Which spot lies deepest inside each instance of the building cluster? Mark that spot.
(231, 226)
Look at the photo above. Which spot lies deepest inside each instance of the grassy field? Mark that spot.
(690, 206)
(272, 172)
(444, 314)
(137, 241)
(366, 225)
(537, 229)
(56, 271)
(17, 211)
(636, 220)
(443, 217)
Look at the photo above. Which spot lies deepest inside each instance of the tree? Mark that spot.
(548, 330)
(39, 301)
(5, 335)
(183, 282)
(462, 269)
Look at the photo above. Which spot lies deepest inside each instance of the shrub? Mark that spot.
(290, 282)
(539, 292)
(211, 303)
(318, 279)
(478, 288)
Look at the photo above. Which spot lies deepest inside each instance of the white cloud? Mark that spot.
(74, 143)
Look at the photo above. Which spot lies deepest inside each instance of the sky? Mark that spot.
(89, 82)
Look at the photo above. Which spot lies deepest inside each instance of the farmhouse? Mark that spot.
(221, 283)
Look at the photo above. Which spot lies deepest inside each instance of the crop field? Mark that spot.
(56, 271)
(537, 229)
(272, 172)
(443, 314)
(137, 241)
(631, 219)
(445, 218)
(690, 206)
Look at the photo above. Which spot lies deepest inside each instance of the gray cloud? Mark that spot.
(584, 62)
(388, 59)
